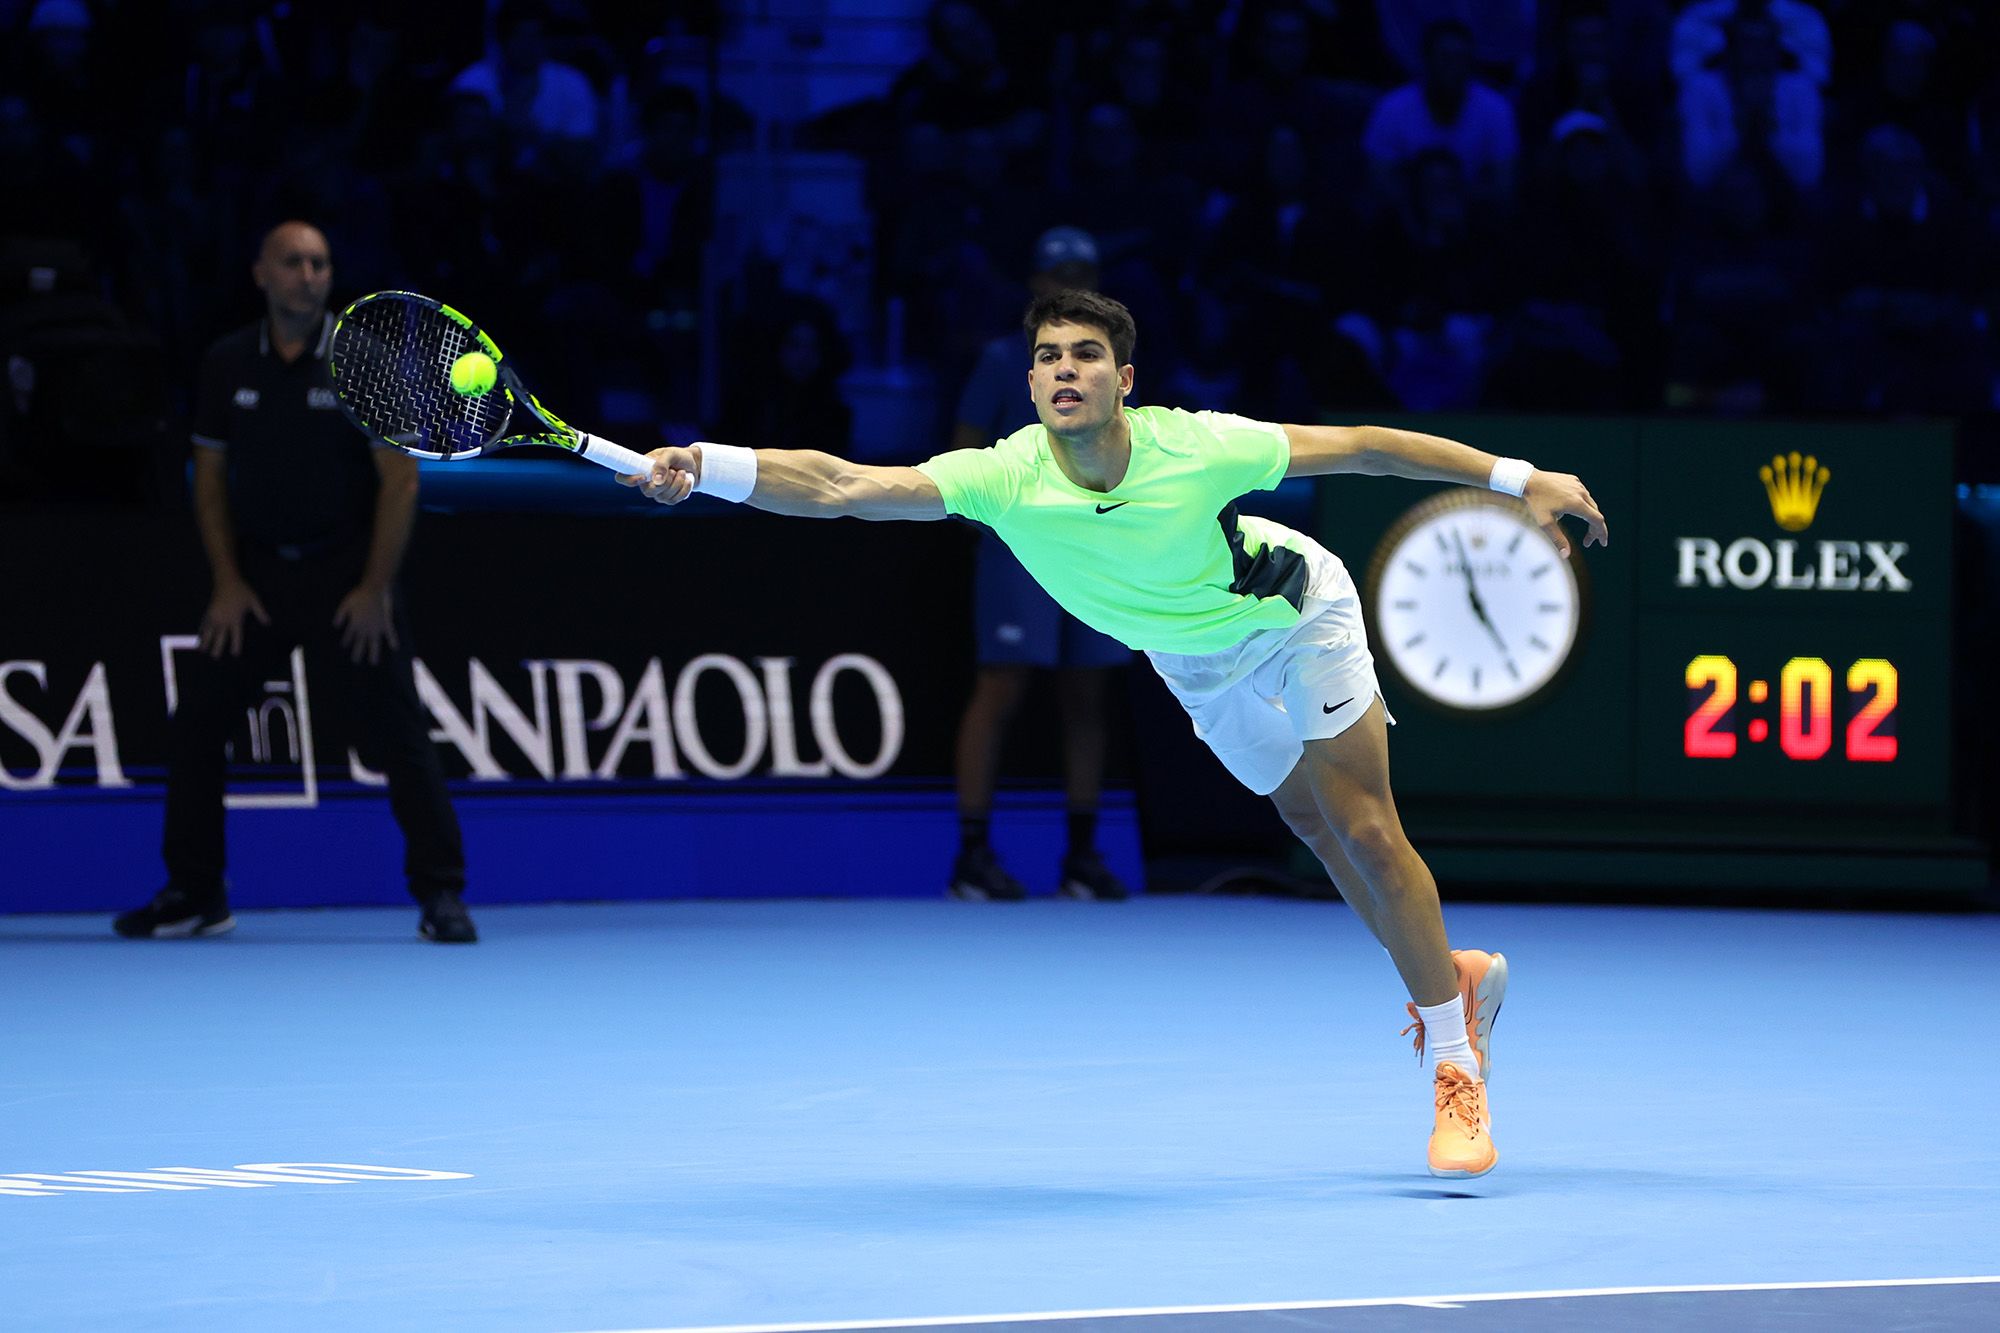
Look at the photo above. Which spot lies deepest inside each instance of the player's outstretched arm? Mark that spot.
(1381, 451)
(803, 482)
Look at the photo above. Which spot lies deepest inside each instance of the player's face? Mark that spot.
(1076, 382)
(295, 271)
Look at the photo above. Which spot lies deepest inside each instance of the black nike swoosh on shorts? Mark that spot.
(1335, 708)
(1105, 509)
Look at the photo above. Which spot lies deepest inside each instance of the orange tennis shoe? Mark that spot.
(1482, 985)
(1462, 1137)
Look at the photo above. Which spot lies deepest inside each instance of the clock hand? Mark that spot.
(1472, 590)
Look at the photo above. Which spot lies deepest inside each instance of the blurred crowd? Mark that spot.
(1310, 205)
(1570, 205)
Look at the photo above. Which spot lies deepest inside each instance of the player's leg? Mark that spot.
(1332, 702)
(1299, 808)
(1348, 776)
(1482, 977)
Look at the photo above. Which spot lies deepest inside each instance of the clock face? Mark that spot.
(1473, 607)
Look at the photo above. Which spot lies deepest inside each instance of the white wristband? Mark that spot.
(1509, 475)
(728, 471)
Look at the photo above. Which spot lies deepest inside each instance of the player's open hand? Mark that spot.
(222, 623)
(1550, 495)
(672, 478)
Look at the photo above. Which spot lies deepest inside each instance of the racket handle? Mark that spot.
(614, 456)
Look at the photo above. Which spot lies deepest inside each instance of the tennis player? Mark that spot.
(1127, 517)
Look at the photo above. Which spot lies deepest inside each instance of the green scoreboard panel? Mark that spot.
(1795, 630)
(1765, 644)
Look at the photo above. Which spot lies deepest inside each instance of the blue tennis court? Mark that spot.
(1180, 1113)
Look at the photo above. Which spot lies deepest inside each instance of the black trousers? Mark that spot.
(379, 704)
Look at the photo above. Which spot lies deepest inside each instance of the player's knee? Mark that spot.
(1374, 845)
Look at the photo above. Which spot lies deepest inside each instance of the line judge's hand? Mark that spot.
(672, 478)
(222, 623)
(1550, 495)
(366, 624)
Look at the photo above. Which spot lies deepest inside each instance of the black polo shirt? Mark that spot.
(300, 476)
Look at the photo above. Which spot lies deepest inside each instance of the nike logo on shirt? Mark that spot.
(1105, 509)
(1335, 708)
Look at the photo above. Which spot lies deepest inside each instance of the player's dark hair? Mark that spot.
(1082, 307)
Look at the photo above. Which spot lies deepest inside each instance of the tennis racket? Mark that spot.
(391, 360)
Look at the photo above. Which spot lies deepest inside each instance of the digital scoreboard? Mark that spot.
(1766, 642)
(1806, 725)
(1793, 588)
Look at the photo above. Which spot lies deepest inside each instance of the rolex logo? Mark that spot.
(1794, 485)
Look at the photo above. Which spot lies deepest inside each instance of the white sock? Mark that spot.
(1444, 1036)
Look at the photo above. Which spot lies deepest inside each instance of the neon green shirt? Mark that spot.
(1161, 561)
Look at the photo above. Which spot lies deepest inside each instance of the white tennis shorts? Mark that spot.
(1257, 703)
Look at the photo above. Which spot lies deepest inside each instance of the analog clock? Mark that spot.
(1473, 608)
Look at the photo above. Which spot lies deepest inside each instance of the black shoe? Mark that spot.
(977, 877)
(177, 914)
(1086, 877)
(445, 921)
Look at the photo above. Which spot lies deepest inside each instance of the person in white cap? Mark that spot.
(1018, 628)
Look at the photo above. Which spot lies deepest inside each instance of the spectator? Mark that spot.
(1702, 36)
(785, 387)
(320, 178)
(62, 80)
(1135, 217)
(231, 97)
(928, 261)
(1583, 340)
(660, 204)
(173, 245)
(1752, 108)
(1274, 84)
(1586, 75)
(461, 169)
(960, 83)
(1984, 151)
(1272, 263)
(48, 192)
(1501, 33)
(540, 101)
(304, 525)
(1145, 84)
(1142, 221)
(1441, 272)
(1902, 88)
(1909, 278)
(1446, 109)
(1739, 274)
(673, 186)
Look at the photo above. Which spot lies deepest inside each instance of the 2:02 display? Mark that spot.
(1807, 728)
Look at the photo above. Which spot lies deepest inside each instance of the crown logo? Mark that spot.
(1794, 485)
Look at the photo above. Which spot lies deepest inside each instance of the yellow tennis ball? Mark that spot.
(474, 374)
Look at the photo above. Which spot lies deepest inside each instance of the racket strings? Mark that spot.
(392, 363)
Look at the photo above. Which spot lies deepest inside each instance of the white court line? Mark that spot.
(1431, 1302)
